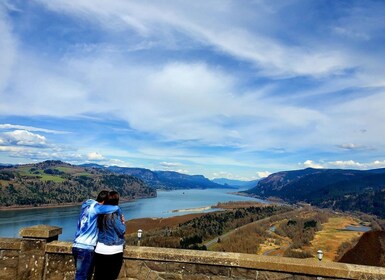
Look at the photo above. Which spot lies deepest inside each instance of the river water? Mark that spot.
(161, 206)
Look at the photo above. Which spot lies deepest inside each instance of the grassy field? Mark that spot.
(147, 224)
(333, 235)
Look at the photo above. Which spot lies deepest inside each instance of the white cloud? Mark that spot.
(346, 164)
(9, 51)
(217, 27)
(169, 164)
(350, 146)
(310, 163)
(116, 162)
(30, 128)
(95, 156)
(23, 138)
(263, 174)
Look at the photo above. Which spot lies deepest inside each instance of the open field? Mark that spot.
(333, 235)
(239, 204)
(328, 239)
(147, 224)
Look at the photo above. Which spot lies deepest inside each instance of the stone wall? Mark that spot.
(39, 256)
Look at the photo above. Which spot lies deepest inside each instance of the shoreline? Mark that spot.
(49, 206)
(43, 206)
(197, 209)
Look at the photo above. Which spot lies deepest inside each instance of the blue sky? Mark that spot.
(234, 89)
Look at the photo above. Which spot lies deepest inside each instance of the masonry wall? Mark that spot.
(42, 259)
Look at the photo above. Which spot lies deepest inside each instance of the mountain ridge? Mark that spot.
(343, 189)
(166, 180)
(56, 183)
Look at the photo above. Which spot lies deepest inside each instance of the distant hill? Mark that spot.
(167, 180)
(370, 250)
(56, 182)
(348, 190)
(92, 165)
(235, 183)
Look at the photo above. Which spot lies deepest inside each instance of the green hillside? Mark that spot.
(347, 190)
(56, 182)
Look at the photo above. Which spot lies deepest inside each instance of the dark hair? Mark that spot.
(111, 199)
(102, 196)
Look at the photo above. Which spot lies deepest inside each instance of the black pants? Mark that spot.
(107, 267)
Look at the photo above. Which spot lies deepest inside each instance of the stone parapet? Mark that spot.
(253, 265)
(35, 258)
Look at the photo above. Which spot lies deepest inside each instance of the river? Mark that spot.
(163, 205)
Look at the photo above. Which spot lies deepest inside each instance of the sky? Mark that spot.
(222, 88)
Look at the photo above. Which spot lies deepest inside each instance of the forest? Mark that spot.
(55, 182)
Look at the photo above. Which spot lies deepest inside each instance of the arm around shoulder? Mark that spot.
(106, 209)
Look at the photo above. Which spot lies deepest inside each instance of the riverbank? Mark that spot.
(48, 206)
(197, 209)
(43, 206)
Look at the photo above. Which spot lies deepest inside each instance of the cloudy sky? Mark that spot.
(235, 89)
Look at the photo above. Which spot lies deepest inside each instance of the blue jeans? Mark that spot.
(84, 262)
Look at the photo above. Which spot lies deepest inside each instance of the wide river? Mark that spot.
(161, 206)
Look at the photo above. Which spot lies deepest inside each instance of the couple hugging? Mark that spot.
(99, 238)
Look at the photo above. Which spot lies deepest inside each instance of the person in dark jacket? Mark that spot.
(109, 249)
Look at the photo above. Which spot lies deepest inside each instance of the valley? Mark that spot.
(292, 232)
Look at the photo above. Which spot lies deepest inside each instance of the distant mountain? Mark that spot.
(56, 182)
(92, 165)
(235, 183)
(353, 190)
(167, 180)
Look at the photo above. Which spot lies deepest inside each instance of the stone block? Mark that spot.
(269, 275)
(225, 278)
(8, 273)
(170, 276)
(199, 277)
(9, 262)
(213, 270)
(59, 247)
(10, 253)
(59, 266)
(156, 266)
(10, 243)
(131, 268)
(41, 232)
(184, 268)
(243, 273)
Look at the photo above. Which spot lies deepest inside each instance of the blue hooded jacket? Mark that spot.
(87, 231)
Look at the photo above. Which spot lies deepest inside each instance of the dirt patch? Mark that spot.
(147, 224)
(239, 204)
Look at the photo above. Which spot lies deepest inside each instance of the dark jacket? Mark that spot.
(112, 229)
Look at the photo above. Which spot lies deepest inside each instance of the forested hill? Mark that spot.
(56, 182)
(167, 180)
(347, 190)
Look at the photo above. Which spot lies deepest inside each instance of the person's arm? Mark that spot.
(105, 209)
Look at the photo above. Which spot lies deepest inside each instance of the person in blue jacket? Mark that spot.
(109, 249)
(87, 234)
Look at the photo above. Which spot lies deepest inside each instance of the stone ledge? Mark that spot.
(278, 264)
(247, 261)
(10, 243)
(59, 247)
(40, 231)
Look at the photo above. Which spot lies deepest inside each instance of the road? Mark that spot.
(223, 236)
